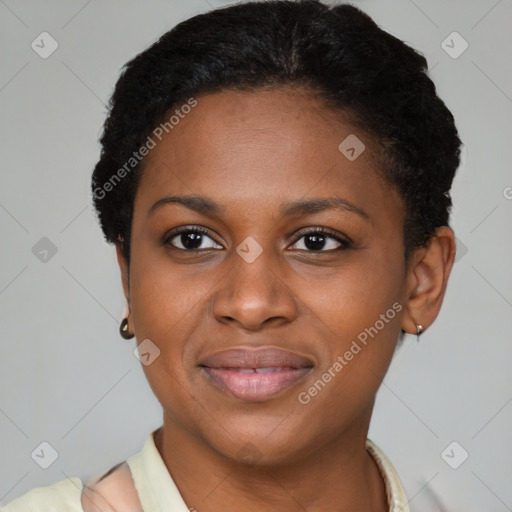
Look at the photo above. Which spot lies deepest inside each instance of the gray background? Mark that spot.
(66, 377)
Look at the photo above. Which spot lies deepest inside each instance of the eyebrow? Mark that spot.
(209, 207)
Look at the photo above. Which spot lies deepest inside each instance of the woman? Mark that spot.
(275, 177)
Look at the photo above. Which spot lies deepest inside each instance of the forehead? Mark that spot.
(263, 148)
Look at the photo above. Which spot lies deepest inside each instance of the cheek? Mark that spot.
(362, 326)
(165, 306)
(168, 306)
(165, 298)
(352, 299)
(358, 312)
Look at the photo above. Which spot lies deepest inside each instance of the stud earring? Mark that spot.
(419, 330)
(419, 327)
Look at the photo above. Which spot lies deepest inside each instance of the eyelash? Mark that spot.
(345, 243)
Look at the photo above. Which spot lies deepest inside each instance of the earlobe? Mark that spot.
(427, 280)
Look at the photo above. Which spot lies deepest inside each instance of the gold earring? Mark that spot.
(123, 329)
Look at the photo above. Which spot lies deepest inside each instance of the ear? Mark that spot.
(427, 280)
(125, 270)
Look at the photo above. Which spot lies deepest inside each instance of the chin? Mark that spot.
(261, 440)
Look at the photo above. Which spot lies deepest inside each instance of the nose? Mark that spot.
(254, 294)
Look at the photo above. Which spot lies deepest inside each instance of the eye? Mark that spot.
(321, 240)
(190, 238)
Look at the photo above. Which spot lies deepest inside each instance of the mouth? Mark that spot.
(255, 374)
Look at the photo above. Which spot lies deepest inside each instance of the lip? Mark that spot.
(255, 374)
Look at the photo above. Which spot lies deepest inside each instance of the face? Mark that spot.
(275, 300)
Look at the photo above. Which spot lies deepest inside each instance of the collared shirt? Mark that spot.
(156, 490)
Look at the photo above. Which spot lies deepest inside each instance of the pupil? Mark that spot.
(318, 242)
(191, 240)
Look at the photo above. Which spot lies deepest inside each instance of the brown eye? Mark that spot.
(320, 240)
(191, 239)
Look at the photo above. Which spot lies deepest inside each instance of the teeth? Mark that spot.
(257, 370)
(267, 370)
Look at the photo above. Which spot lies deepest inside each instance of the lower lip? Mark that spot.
(255, 386)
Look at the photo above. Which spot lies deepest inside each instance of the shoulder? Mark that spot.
(112, 492)
(63, 495)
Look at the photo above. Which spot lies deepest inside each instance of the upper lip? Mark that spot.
(263, 357)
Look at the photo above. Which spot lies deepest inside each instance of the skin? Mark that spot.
(251, 152)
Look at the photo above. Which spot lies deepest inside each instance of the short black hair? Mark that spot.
(337, 52)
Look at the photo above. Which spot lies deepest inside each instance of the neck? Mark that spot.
(340, 475)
